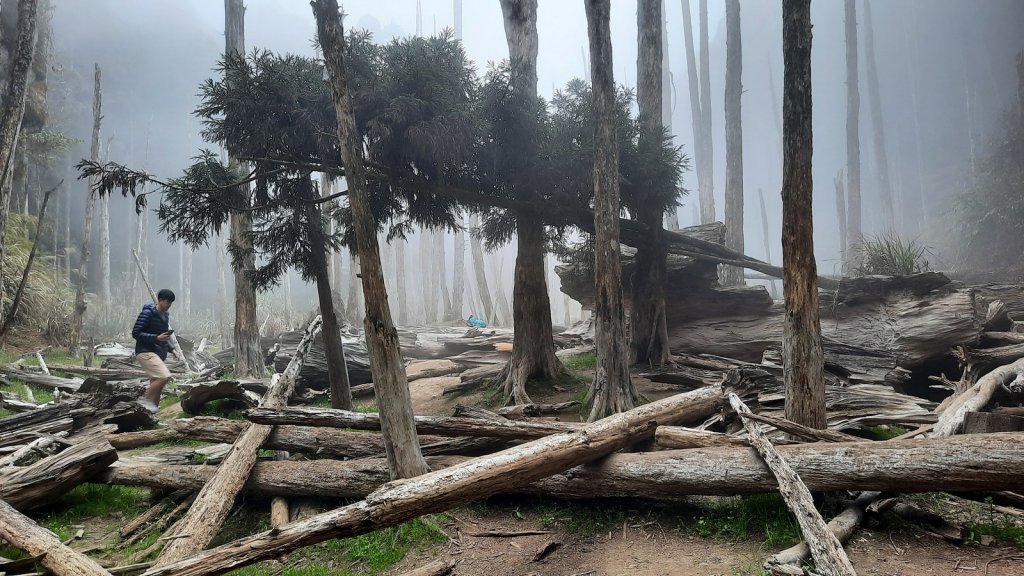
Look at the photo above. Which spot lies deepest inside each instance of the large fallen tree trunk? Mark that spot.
(42, 380)
(50, 478)
(203, 520)
(408, 498)
(21, 532)
(326, 441)
(842, 526)
(975, 398)
(928, 465)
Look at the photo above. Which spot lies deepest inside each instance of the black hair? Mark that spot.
(165, 294)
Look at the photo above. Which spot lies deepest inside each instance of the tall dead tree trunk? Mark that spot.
(248, 356)
(459, 278)
(612, 389)
(427, 270)
(707, 194)
(696, 116)
(90, 203)
(854, 233)
(13, 110)
(802, 356)
(441, 272)
(222, 293)
(767, 239)
(841, 217)
(733, 275)
(477, 249)
(390, 384)
(403, 299)
(649, 335)
(105, 250)
(533, 350)
(877, 122)
(667, 91)
(354, 304)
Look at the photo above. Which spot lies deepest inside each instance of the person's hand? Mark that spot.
(163, 337)
(176, 355)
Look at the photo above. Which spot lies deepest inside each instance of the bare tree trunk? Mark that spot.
(428, 271)
(667, 91)
(90, 203)
(248, 355)
(648, 339)
(476, 247)
(16, 301)
(877, 123)
(13, 110)
(612, 389)
(337, 370)
(105, 241)
(696, 117)
(533, 351)
(842, 218)
(459, 280)
(802, 356)
(390, 384)
(441, 271)
(854, 234)
(186, 295)
(222, 294)
(767, 239)
(354, 305)
(403, 299)
(707, 195)
(733, 275)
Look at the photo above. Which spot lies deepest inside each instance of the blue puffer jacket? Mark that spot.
(150, 324)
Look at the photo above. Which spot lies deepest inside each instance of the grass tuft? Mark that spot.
(889, 255)
(581, 362)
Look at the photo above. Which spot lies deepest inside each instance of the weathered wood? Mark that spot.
(523, 411)
(978, 462)
(843, 526)
(1002, 338)
(826, 549)
(975, 398)
(986, 422)
(800, 431)
(23, 533)
(203, 520)
(936, 524)
(198, 394)
(400, 501)
(101, 373)
(441, 567)
(48, 479)
(142, 519)
(129, 440)
(42, 380)
(680, 438)
(988, 357)
(327, 441)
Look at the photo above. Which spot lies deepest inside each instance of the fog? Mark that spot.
(955, 58)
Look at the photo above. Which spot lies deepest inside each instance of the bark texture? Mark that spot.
(26, 535)
(853, 234)
(707, 193)
(878, 124)
(649, 328)
(90, 204)
(802, 355)
(696, 117)
(612, 389)
(390, 385)
(733, 275)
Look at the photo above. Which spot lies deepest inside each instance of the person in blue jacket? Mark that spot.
(476, 322)
(152, 333)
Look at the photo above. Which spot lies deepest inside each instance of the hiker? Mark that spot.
(152, 333)
(475, 322)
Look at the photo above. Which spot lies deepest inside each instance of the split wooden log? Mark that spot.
(677, 437)
(129, 440)
(327, 441)
(399, 501)
(21, 532)
(843, 526)
(439, 425)
(50, 478)
(826, 549)
(997, 317)
(203, 520)
(441, 567)
(1002, 338)
(37, 446)
(975, 398)
(981, 462)
(803, 432)
(523, 411)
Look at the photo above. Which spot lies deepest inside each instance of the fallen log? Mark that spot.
(988, 357)
(441, 567)
(203, 520)
(326, 441)
(975, 398)
(99, 373)
(980, 462)
(677, 437)
(399, 501)
(129, 440)
(801, 431)
(246, 391)
(21, 532)
(42, 380)
(523, 411)
(826, 549)
(843, 526)
(141, 520)
(50, 478)
(935, 524)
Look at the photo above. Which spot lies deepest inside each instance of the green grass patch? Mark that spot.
(757, 515)
(92, 501)
(223, 408)
(5, 412)
(581, 362)
(40, 394)
(885, 432)
(1007, 533)
(365, 408)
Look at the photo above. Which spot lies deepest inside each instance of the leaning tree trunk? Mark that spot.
(696, 117)
(733, 275)
(90, 203)
(649, 335)
(707, 194)
(13, 108)
(877, 123)
(854, 235)
(477, 249)
(441, 273)
(390, 385)
(533, 351)
(802, 355)
(403, 299)
(248, 356)
(337, 371)
(671, 217)
(105, 250)
(612, 389)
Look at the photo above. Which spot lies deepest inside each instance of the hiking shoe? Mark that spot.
(147, 404)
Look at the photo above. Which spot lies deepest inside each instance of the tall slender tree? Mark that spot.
(696, 116)
(853, 234)
(707, 197)
(878, 123)
(672, 217)
(533, 355)
(248, 355)
(612, 389)
(802, 358)
(649, 337)
(390, 383)
(90, 203)
(476, 247)
(733, 139)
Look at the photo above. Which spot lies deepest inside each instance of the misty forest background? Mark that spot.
(948, 82)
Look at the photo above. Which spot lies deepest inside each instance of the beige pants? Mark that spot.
(152, 365)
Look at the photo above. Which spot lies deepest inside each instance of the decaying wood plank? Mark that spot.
(975, 398)
(203, 520)
(826, 549)
(979, 462)
(402, 500)
(26, 535)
